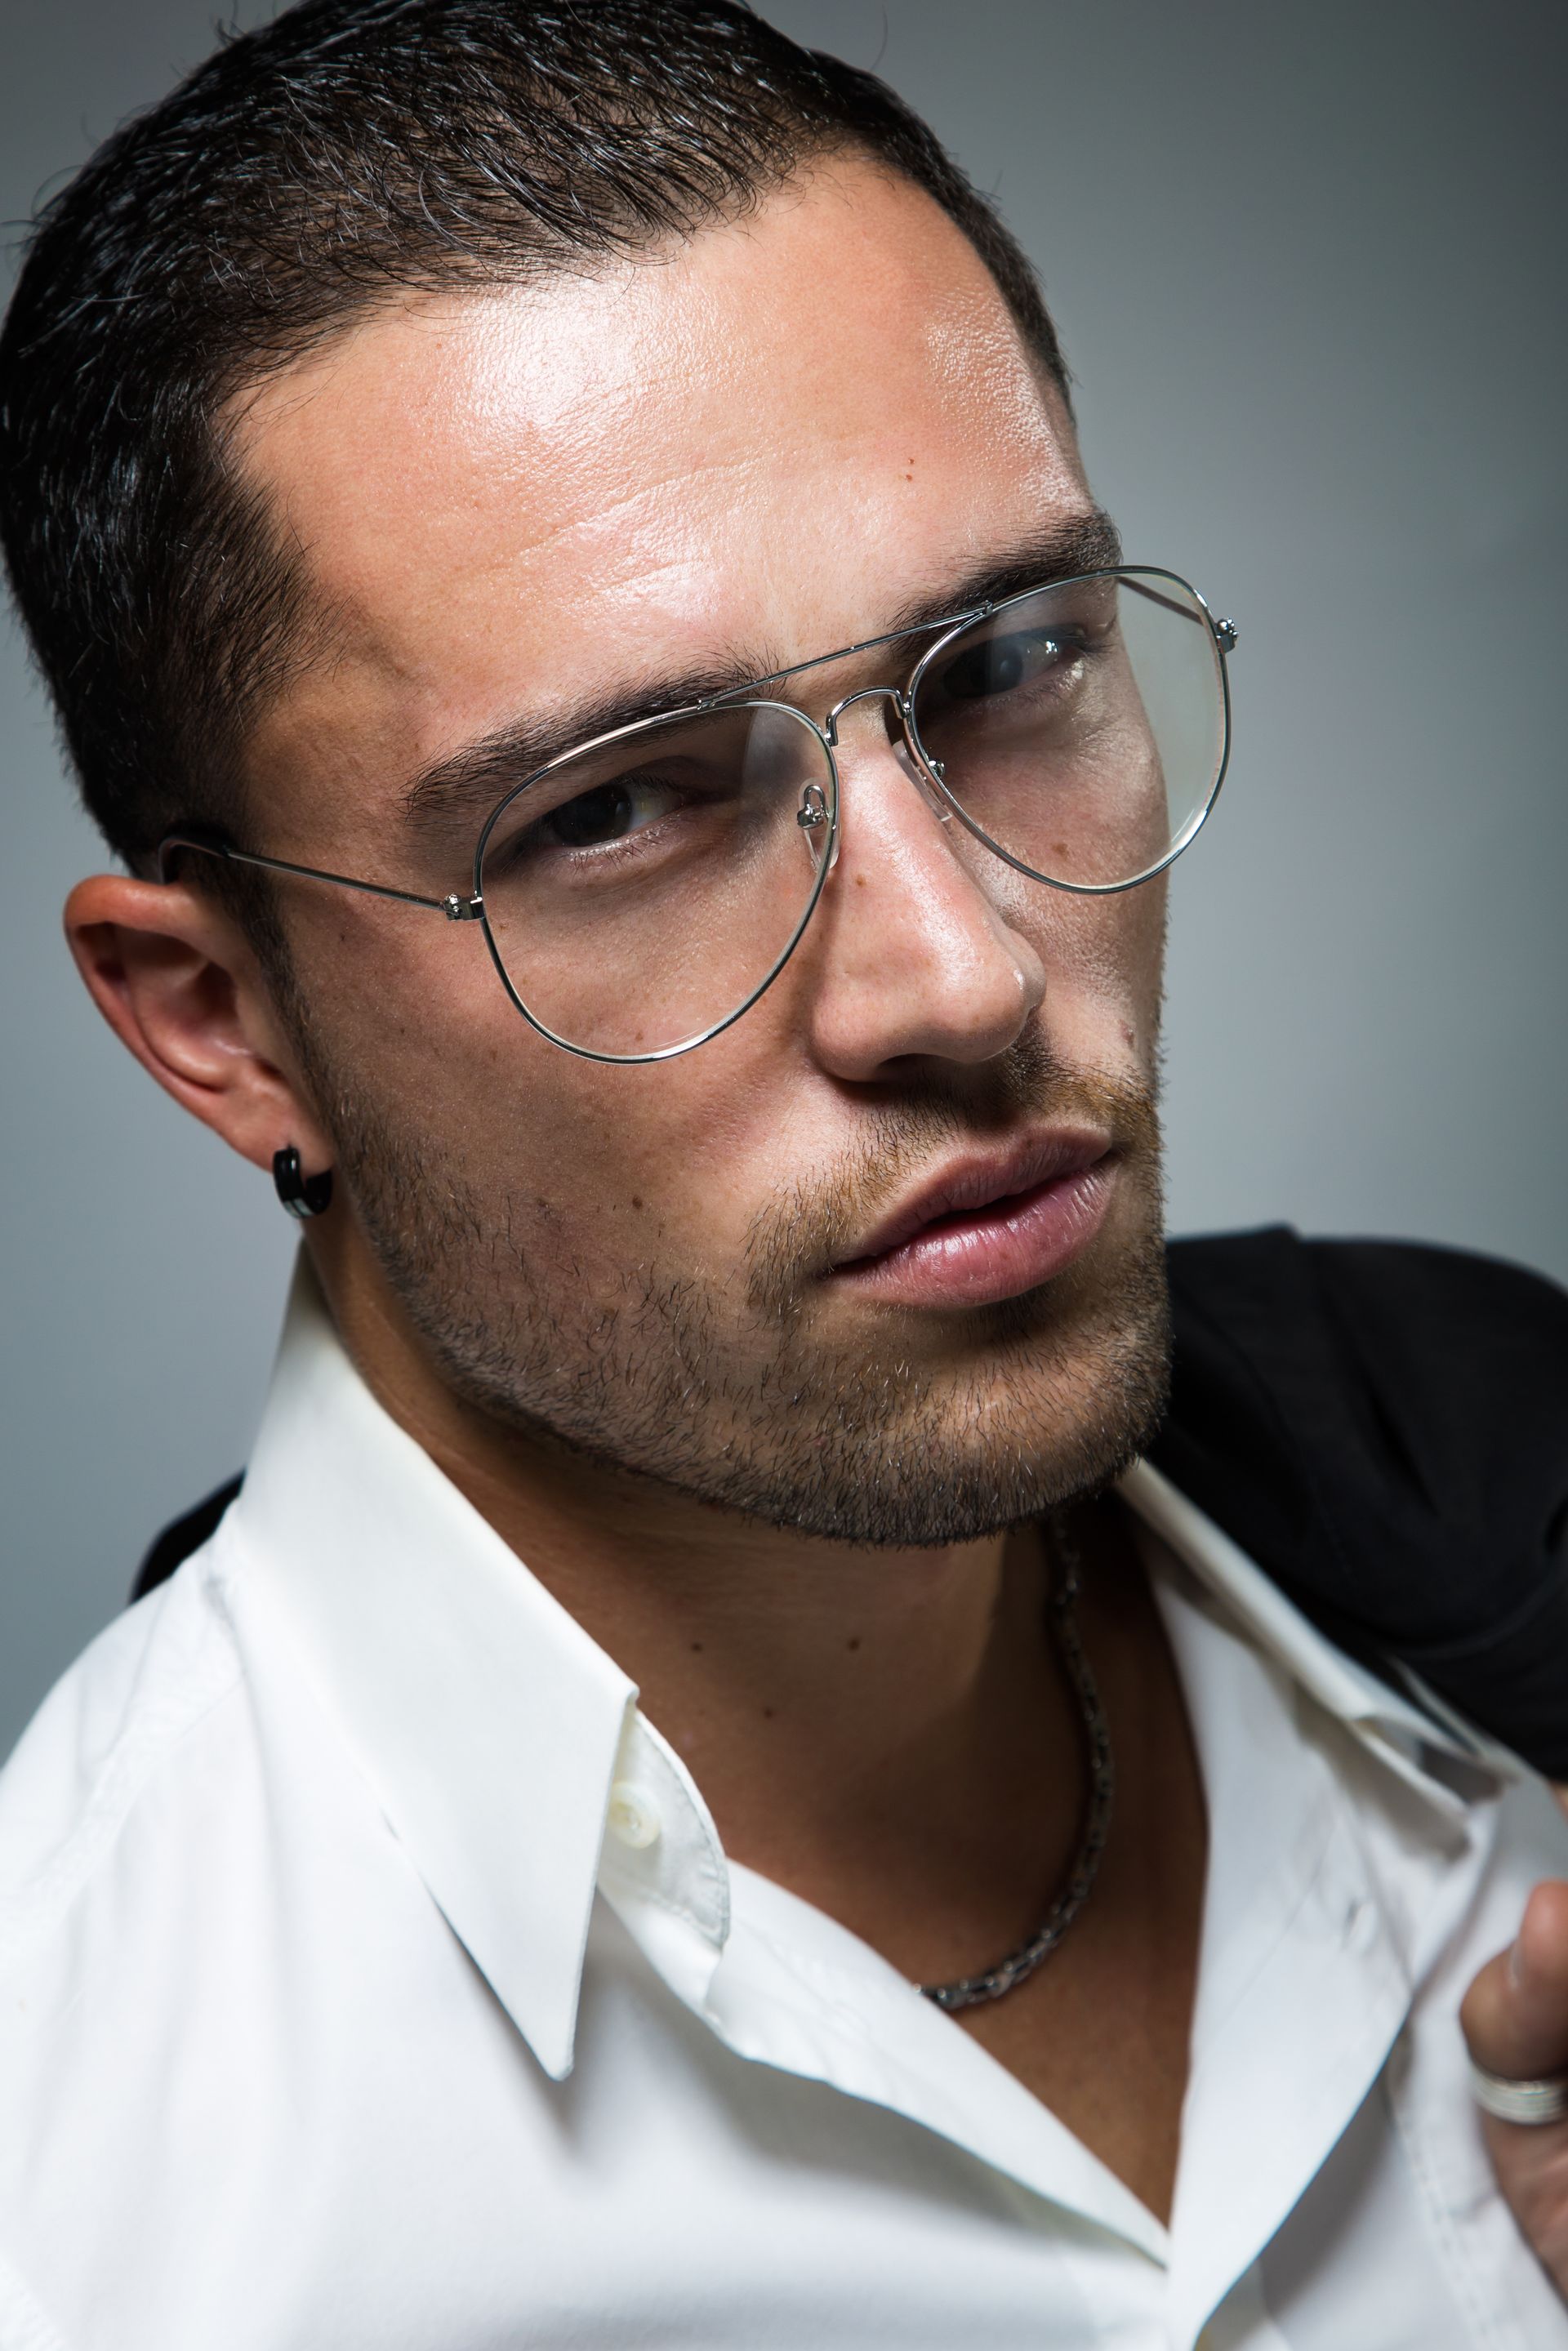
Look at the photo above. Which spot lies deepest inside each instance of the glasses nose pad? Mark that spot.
(816, 824)
(922, 783)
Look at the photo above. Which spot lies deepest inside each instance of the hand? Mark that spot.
(1515, 2019)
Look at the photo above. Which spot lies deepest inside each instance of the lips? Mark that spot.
(989, 1227)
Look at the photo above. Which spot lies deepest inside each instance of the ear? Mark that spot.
(178, 983)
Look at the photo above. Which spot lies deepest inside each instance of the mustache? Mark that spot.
(812, 1225)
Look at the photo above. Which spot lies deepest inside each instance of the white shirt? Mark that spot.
(371, 1975)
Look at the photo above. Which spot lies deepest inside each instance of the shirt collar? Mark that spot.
(493, 1730)
(485, 1719)
(1420, 1738)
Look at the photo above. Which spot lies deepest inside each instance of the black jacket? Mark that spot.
(1384, 1428)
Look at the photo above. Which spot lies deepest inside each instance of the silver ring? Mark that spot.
(1544, 2101)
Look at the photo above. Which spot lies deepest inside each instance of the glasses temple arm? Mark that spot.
(454, 908)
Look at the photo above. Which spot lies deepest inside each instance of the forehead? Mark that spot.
(757, 441)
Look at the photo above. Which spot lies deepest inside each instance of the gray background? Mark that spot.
(1306, 266)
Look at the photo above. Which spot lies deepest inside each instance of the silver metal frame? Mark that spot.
(927, 776)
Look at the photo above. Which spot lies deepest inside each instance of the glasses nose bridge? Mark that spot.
(906, 751)
(893, 694)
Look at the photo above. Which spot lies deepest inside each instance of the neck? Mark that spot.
(889, 1735)
(849, 1714)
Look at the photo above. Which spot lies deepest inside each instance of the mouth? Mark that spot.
(989, 1227)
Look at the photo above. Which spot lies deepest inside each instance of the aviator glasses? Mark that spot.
(639, 892)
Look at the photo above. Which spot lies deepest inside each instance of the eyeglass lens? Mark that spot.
(641, 892)
(1080, 730)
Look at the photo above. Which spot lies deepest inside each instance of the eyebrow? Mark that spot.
(1090, 542)
(470, 781)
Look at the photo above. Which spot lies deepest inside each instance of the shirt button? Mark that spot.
(633, 1817)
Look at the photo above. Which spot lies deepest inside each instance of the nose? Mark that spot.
(916, 961)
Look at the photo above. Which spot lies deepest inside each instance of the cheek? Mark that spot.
(1104, 961)
(403, 1004)
(605, 1165)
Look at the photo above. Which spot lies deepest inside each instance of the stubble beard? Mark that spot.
(728, 1392)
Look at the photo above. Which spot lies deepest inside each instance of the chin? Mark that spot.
(1047, 1400)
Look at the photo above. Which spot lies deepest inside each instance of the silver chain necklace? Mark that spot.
(969, 1991)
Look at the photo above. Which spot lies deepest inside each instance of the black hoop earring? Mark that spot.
(301, 1194)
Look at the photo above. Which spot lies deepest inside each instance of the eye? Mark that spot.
(1003, 664)
(609, 812)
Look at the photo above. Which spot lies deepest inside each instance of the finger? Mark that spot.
(1515, 2019)
(1515, 2014)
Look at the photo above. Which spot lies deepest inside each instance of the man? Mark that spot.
(702, 1792)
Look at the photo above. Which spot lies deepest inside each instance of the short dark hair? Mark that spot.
(349, 149)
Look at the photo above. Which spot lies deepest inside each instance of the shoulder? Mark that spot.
(195, 1884)
(119, 1723)
(1370, 1369)
(103, 1847)
(1384, 1427)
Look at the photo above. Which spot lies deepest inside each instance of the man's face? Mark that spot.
(516, 505)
